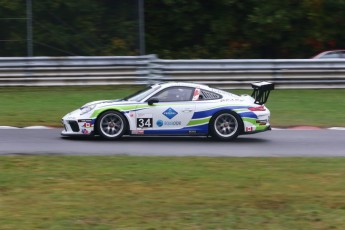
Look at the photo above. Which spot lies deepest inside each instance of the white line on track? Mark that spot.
(29, 127)
(38, 127)
(8, 127)
(337, 128)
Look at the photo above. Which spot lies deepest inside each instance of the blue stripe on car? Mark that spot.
(248, 114)
(200, 129)
(208, 113)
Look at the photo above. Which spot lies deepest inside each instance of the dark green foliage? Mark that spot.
(65, 28)
(244, 29)
(176, 28)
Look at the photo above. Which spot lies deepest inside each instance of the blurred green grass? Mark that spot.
(71, 192)
(24, 106)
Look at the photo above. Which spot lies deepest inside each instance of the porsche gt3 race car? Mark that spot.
(174, 109)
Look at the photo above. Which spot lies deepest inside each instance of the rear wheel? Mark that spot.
(226, 126)
(111, 125)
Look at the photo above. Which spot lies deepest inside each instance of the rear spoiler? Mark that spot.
(261, 91)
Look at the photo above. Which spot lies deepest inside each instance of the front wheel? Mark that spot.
(111, 125)
(226, 126)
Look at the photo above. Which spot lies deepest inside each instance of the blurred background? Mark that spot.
(172, 29)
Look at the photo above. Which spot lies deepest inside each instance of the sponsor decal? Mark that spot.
(192, 132)
(87, 125)
(137, 132)
(85, 120)
(249, 129)
(131, 114)
(230, 99)
(85, 131)
(159, 123)
(172, 122)
(144, 122)
(170, 113)
(144, 115)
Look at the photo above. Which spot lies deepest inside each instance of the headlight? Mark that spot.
(86, 109)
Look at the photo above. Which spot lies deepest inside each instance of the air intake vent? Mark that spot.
(207, 95)
(74, 126)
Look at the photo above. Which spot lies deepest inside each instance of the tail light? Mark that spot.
(258, 108)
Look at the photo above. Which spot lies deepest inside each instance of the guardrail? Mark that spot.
(142, 70)
(285, 73)
(60, 71)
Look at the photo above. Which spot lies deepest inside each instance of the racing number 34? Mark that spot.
(144, 122)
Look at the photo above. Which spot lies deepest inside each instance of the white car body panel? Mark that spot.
(190, 117)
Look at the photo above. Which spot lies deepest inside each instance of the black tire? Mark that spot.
(225, 126)
(111, 125)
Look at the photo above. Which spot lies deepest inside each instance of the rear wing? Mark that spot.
(261, 91)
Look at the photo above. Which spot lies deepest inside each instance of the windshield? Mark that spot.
(141, 94)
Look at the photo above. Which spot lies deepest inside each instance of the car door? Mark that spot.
(170, 114)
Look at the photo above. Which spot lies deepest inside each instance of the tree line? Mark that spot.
(176, 29)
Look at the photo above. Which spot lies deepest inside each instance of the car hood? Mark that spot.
(108, 102)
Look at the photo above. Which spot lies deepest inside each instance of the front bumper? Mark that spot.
(77, 126)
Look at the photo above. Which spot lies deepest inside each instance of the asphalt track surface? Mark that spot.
(276, 143)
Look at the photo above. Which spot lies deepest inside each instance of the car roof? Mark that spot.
(187, 84)
(320, 55)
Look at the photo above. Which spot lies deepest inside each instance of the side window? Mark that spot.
(207, 95)
(177, 93)
(342, 54)
(332, 55)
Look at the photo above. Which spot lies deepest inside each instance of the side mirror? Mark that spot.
(153, 100)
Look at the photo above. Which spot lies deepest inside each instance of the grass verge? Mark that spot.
(24, 106)
(122, 192)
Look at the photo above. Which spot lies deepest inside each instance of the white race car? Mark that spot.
(174, 108)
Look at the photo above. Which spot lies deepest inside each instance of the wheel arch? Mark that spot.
(115, 110)
(241, 124)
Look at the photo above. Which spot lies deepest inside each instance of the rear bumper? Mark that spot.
(267, 128)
